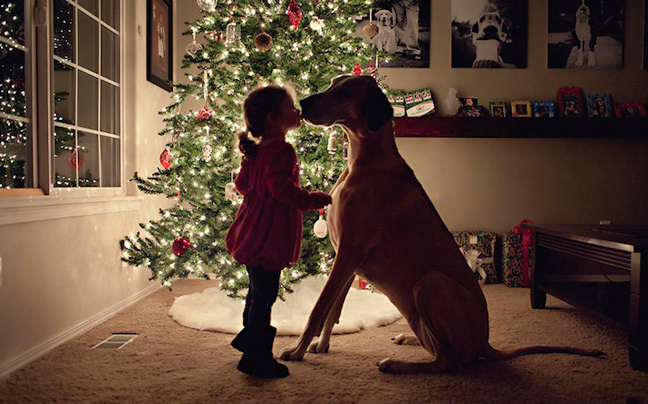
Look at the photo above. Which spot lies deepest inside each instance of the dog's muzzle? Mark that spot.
(309, 110)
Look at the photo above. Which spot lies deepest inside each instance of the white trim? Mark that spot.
(43, 348)
(37, 208)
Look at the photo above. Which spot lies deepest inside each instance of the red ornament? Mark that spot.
(180, 245)
(204, 114)
(75, 159)
(166, 158)
(294, 14)
(357, 70)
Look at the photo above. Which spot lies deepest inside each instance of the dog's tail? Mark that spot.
(498, 355)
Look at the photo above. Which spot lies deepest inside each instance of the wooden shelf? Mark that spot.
(435, 126)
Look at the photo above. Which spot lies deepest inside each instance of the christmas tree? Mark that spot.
(237, 46)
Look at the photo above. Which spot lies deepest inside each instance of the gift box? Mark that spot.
(515, 256)
(482, 242)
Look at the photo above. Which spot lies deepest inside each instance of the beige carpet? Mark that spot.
(169, 363)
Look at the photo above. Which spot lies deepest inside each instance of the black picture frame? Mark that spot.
(159, 44)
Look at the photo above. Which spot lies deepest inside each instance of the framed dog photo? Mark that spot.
(599, 105)
(400, 28)
(498, 109)
(570, 102)
(490, 34)
(586, 34)
(543, 109)
(159, 52)
(521, 109)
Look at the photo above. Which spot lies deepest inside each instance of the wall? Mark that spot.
(62, 276)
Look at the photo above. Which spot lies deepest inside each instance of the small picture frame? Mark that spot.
(159, 50)
(570, 102)
(630, 110)
(543, 109)
(468, 101)
(473, 111)
(521, 109)
(498, 109)
(599, 105)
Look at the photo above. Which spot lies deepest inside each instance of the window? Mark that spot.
(77, 141)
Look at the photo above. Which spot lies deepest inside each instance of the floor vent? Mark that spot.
(115, 341)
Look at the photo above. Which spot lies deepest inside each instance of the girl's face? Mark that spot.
(287, 117)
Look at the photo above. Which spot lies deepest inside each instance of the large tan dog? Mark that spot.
(385, 229)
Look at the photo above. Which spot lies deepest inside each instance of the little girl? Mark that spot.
(267, 231)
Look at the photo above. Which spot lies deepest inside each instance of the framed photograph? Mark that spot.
(400, 28)
(468, 101)
(542, 109)
(586, 34)
(498, 109)
(630, 110)
(521, 109)
(489, 34)
(599, 106)
(472, 111)
(159, 52)
(570, 102)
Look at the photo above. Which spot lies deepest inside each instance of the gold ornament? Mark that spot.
(263, 42)
(370, 30)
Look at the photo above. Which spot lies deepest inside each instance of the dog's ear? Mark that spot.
(475, 28)
(377, 109)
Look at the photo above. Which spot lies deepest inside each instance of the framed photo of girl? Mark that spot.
(159, 60)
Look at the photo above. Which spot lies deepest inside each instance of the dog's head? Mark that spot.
(490, 26)
(385, 18)
(354, 101)
(582, 12)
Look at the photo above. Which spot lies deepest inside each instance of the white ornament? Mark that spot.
(452, 103)
(230, 192)
(317, 24)
(232, 34)
(331, 143)
(207, 153)
(207, 5)
(193, 48)
(321, 228)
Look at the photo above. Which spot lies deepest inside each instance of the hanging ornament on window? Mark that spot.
(181, 245)
(331, 143)
(263, 41)
(317, 24)
(232, 34)
(207, 5)
(294, 14)
(166, 158)
(321, 228)
(371, 29)
(357, 71)
(194, 47)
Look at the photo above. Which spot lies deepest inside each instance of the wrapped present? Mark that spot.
(515, 256)
(483, 244)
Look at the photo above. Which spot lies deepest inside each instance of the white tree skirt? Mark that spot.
(212, 310)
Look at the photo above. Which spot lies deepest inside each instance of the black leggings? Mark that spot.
(262, 293)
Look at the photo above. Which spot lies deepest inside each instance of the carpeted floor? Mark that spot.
(169, 363)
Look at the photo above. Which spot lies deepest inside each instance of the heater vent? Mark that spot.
(115, 341)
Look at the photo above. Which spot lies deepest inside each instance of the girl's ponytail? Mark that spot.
(247, 146)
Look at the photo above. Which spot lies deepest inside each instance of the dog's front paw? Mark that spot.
(316, 347)
(404, 339)
(387, 365)
(291, 354)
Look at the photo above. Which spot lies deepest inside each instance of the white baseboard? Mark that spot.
(14, 364)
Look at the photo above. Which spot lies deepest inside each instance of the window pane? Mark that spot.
(90, 5)
(110, 168)
(64, 93)
(12, 20)
(12, 81)
(64, 30)
(14, 161)
(88, 43)
(87, 160)
(65, 160)
(110, 12)
(109, 108)
(88, 104)
(109, 55)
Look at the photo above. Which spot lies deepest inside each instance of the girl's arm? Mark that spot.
(242, 180)
(279, 181)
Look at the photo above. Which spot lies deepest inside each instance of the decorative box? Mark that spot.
(397, 100)
(419, 103)
(515, 256)
(484, 243)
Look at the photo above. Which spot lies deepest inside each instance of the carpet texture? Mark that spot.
(169, 363)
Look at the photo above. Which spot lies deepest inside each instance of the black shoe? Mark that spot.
(241, 340)
(262, 366)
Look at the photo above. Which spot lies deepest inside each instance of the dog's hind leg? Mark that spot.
(323, 342)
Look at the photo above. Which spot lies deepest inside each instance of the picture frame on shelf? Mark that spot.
(469, 101)
(630, 110)
(472, 111)
(498, 109)
(599, 105)
(521, 109)
(543, 109)
(159, 43)
(570, 102)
